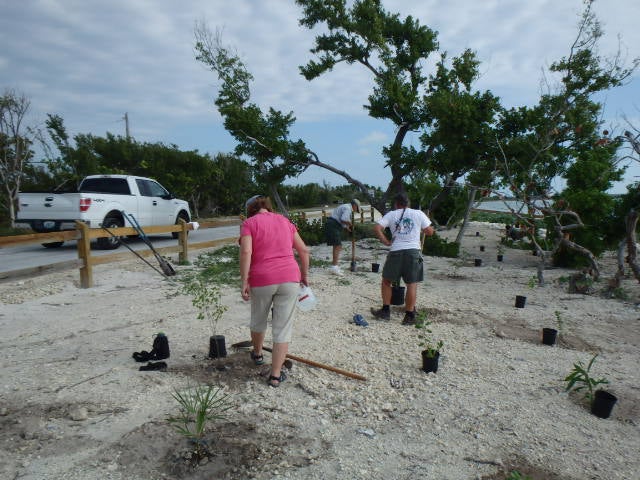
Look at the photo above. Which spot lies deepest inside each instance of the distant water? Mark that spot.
(501, 206)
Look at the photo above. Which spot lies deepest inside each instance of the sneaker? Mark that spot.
(335, 269)
(381, 314)
(409, 319)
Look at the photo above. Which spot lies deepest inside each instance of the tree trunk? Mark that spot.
(276, 197)
(595, 269)
(632, 220)
(467, 214)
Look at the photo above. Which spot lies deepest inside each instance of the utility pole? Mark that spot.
(126, 125)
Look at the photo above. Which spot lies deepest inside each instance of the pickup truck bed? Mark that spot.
(100, 201)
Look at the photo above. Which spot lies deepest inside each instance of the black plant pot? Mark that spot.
(520, 301)
(353, 266)
(217, 347)
(477, 234)
(430, 364)
(375, 267)
(603, 403)
(477, 262)
(549, 336)
(500, 257)
(397, 295)
(482, 248)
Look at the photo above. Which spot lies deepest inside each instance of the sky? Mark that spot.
(92, 61)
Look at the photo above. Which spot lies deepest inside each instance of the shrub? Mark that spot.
(440, 247)
(311, 231)
(506, 218)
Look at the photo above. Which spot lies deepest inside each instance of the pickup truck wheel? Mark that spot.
(110, 243)
(52, 244)
(183, 216)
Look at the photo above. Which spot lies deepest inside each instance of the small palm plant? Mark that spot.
(580, 379)
(198, 407)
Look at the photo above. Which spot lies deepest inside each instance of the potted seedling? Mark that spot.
(375, 265)
(207, 298)
(397, 293)
(430, 348)
(600, 401)
(500, 250)
(549, 335)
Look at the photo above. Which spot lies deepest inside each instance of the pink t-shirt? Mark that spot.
(272, 259)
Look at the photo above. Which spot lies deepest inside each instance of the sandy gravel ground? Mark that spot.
(73, 404)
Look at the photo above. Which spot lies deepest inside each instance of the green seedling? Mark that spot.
(429, 345)
(207, 298)
(198, 407)
(533, 281)
(580, 379)
(619, 293)
(559, 321)
(516, 475)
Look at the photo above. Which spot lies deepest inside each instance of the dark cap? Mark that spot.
(401, 199)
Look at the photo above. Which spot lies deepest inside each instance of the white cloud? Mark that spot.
(375, 137)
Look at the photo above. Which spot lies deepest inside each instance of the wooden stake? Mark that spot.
(321, 365)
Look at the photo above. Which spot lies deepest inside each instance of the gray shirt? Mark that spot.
(342, 214)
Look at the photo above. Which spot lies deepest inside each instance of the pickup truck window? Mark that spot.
(118, 186)
(150, 188)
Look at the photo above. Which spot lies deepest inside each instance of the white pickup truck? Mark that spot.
(99, 202)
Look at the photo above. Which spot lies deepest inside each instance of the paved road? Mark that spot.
(35, 255)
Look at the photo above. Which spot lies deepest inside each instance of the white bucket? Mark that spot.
(306, 299)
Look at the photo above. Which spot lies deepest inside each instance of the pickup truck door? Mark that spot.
(155, 202)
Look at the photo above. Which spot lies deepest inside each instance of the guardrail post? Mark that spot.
(183, 243)
(84, 254)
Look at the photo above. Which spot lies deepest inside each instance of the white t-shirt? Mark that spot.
(405, 231)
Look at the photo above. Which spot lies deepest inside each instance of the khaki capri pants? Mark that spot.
(281, 299)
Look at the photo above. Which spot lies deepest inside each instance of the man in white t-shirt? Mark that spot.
(405, 257)
(339, 219)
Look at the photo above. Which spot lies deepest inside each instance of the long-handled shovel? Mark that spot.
(166, 267)
(134, 252)
(308, 362)
(353, 244)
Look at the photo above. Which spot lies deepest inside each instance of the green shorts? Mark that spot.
(405, 264)
(333, 232)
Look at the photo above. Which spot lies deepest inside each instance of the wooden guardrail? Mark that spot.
(83, 234)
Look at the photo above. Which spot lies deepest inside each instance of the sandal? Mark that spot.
(279, 379)
(257, 359)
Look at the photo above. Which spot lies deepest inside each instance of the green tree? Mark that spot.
(456, 122)
(559, 137)
(212, 184)
(263, 137)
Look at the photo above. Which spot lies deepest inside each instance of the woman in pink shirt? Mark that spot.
(271, 278)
